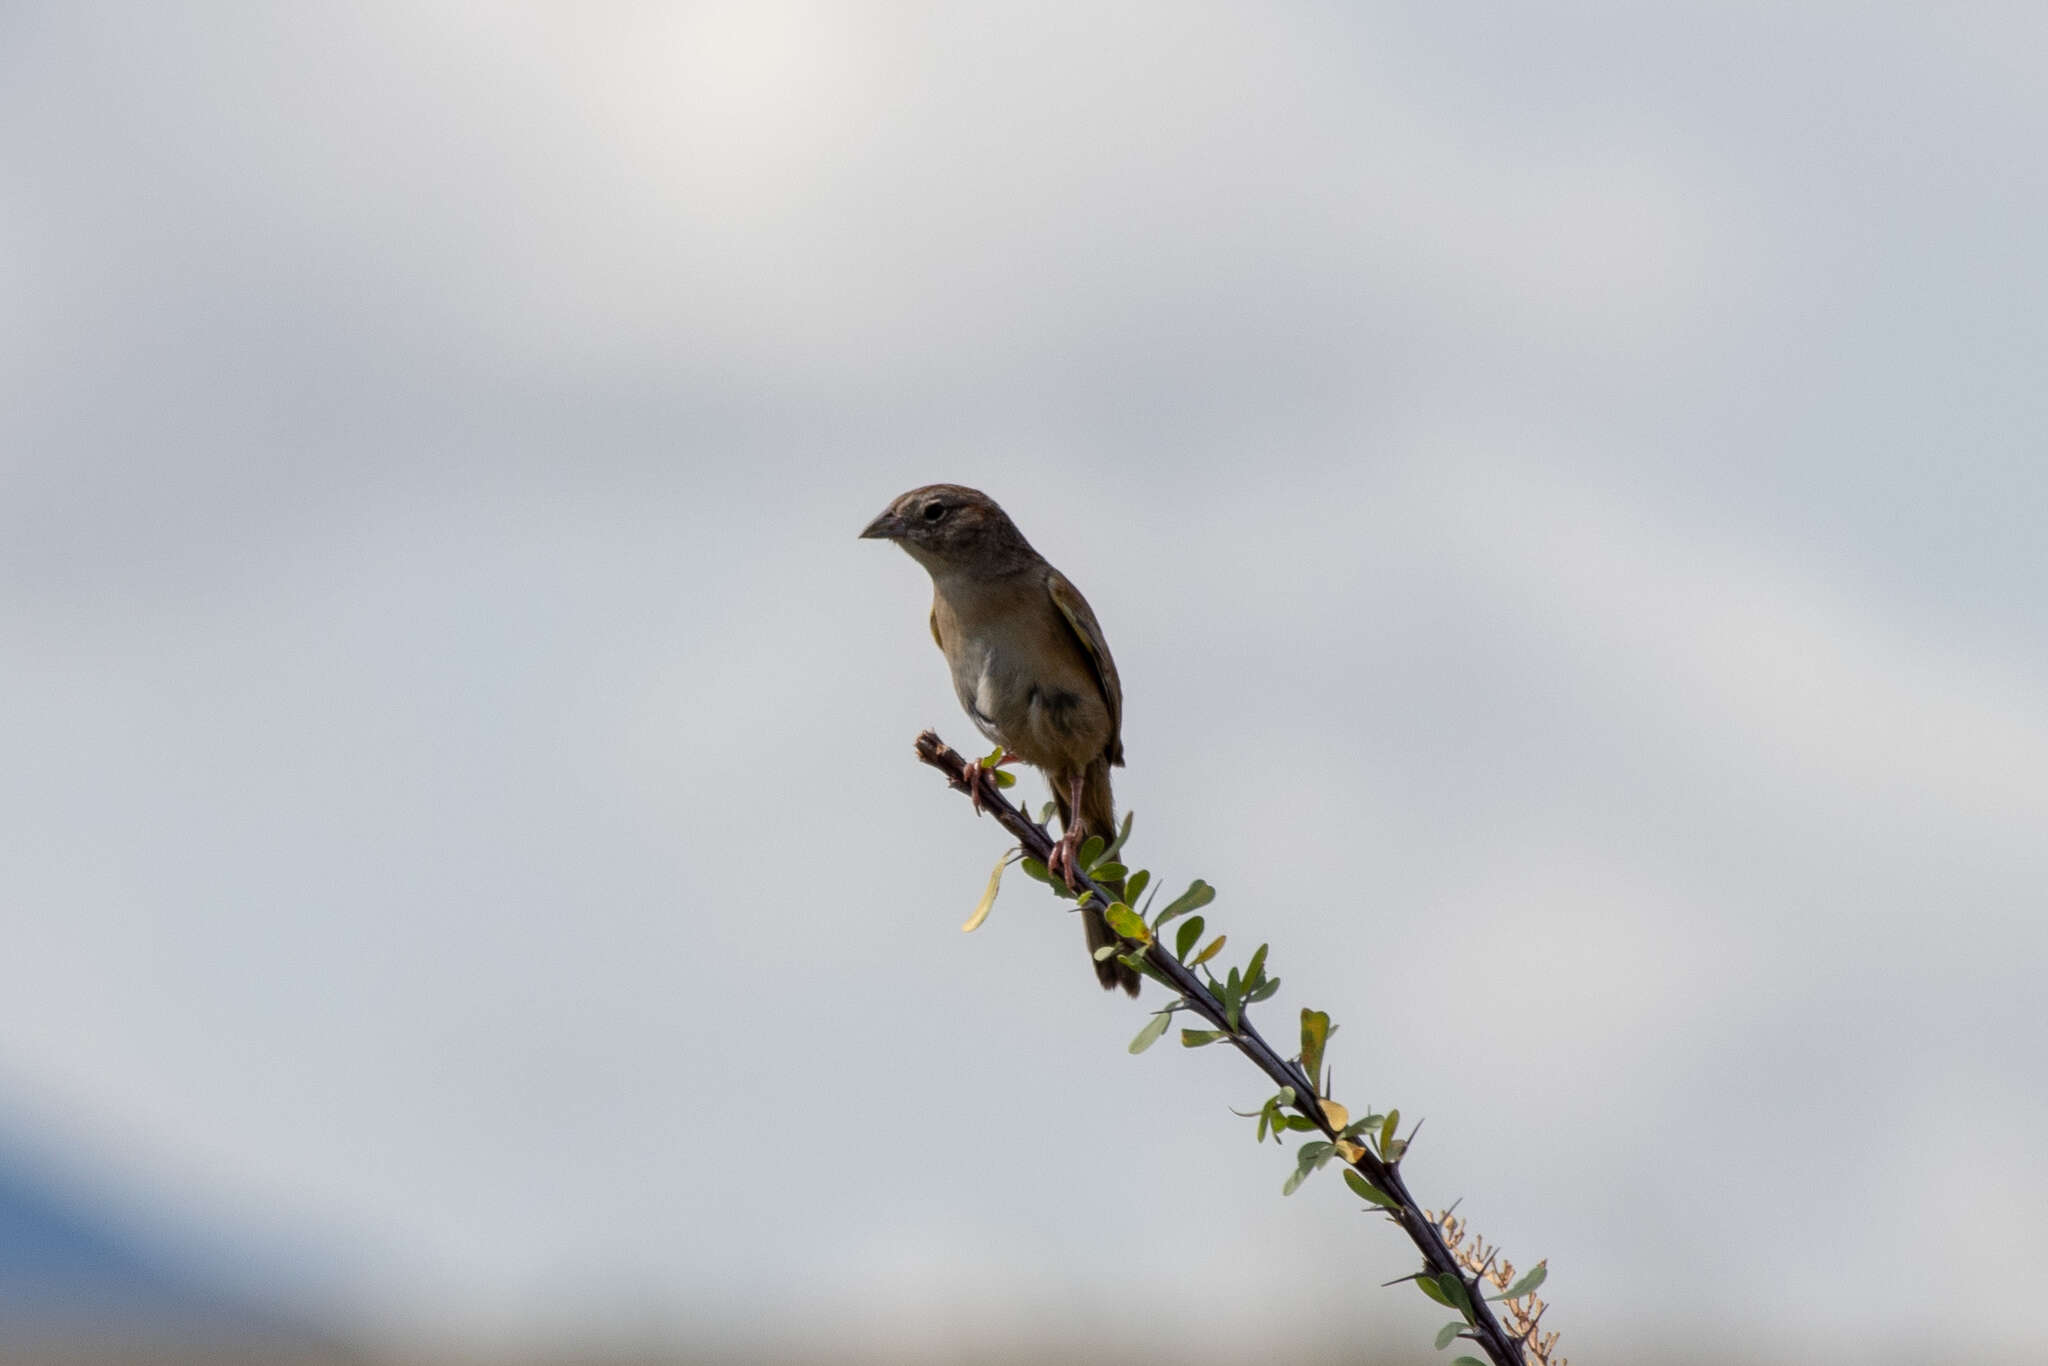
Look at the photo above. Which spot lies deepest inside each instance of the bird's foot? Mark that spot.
(1065, 858)
(984, 771)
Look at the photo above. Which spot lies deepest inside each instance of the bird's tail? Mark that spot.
(1098, 817)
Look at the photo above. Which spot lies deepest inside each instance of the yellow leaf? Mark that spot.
(1336, 1114)
(988, 896)
(1315, 1032)
(1348, 1150)
(1127, 922)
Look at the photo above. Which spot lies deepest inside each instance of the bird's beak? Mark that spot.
(886, 527)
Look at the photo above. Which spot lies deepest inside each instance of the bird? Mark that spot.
(1029, 663)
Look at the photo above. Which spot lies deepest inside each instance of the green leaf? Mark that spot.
(1091, 851)
(1315, 1032)
(1106, 951)
(1122, 835)
(1134, 885)
(1265, 989)
(1311, 1156)
(1524, 1283)
(1448, 1291)
(1448, 1334)
(1366, 1191)
(1215, 947)
(1257, 965)
(1045, 813)
(1003, 779)
(988, 894)
(1127, 922)
(1199, 1038)
(1467, 1361)
(1387, 1127)
(1186, 937)
(1198, 895)
(1035, 868)
(1301, 1124)
(992, 758)
(1149, 1035)
(1383, 1200)
(1107, 871)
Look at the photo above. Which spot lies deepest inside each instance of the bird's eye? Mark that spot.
(934, 511)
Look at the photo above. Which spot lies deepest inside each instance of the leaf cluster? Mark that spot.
(1369, 1149)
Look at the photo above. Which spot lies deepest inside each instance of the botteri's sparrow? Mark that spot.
(1029, 663)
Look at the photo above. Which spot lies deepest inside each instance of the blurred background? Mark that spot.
(1565, 488)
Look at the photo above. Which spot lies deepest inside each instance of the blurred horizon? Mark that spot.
(1564, 489)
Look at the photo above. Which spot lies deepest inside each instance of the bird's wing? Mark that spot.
(1088, 631)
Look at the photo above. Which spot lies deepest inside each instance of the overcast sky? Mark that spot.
(1564, 486)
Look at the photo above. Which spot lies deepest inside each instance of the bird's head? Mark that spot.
(946, 527)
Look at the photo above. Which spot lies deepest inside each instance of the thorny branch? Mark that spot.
(1503, 1347)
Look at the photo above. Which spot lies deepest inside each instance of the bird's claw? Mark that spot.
(981, 772)
(1064, 858)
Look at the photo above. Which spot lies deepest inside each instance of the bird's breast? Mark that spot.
(981, 691)
(1021, 709)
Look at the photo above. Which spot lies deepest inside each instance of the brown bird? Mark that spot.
(1029, 663)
